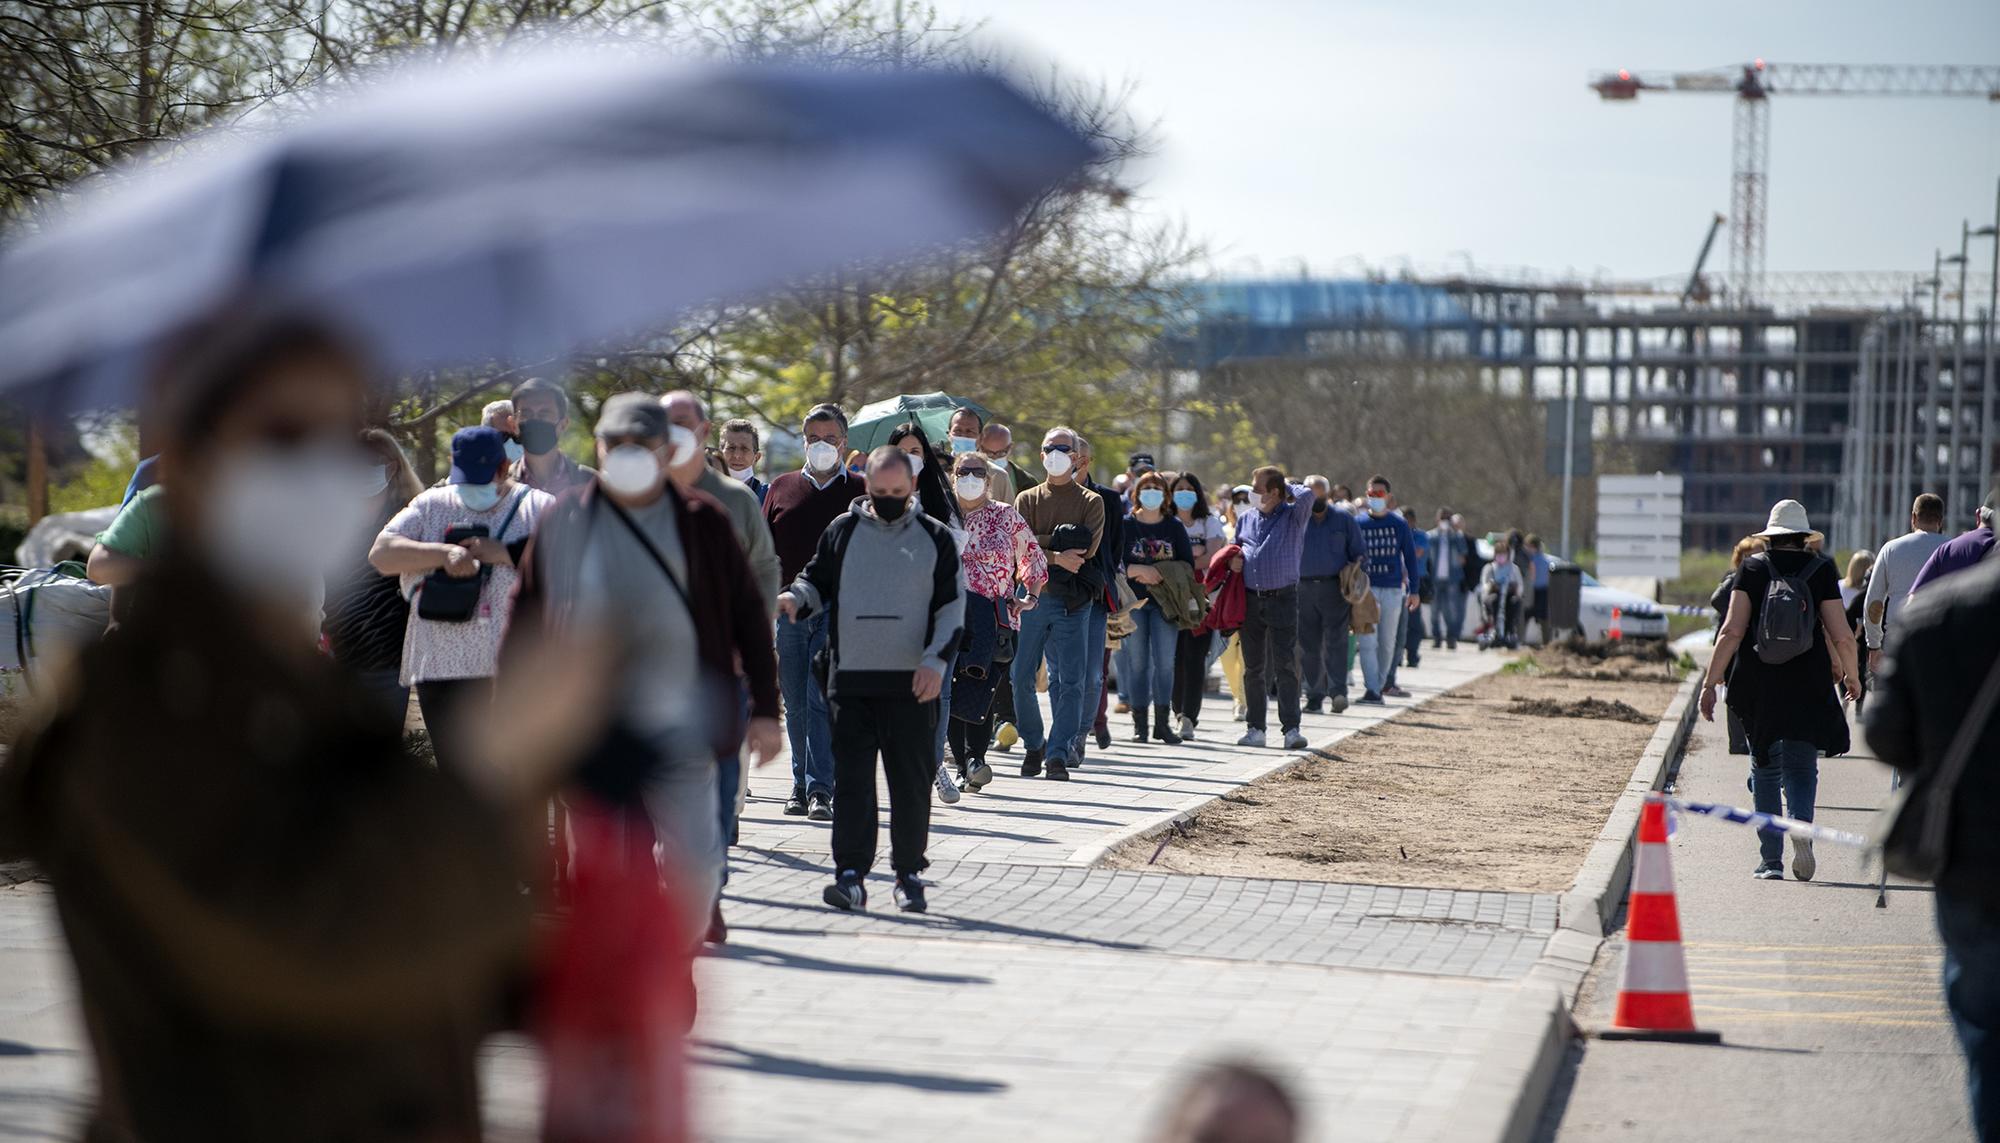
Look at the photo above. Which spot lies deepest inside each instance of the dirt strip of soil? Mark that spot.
(1467, 791)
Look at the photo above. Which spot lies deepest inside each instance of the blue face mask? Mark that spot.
(1184, 499)
(1151, 498)
(479, 497)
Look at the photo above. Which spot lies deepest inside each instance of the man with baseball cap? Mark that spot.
(657, 574)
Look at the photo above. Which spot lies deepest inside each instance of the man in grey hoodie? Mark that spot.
(891, 580)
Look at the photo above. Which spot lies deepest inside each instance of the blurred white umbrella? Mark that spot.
(520, 209)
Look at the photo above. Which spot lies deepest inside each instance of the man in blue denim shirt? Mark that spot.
(1272, 535)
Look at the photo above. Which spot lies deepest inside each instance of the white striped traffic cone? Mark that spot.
(1653, 1001)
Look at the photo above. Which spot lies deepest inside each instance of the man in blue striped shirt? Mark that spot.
(1272, 536)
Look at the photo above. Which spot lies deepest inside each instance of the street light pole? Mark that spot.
(1992, 326)
(1958, 365)
(1930, 374)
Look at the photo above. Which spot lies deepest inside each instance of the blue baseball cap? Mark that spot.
(476, 455)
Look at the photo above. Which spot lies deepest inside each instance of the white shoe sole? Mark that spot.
(1803, 863)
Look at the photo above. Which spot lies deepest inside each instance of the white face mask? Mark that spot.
(743, 474)
(822, 456)
(280, 521)
(479, 497)
(682, 441)
(1056, 463)
(633, 470)
(1378, 504)
(971, 487)
(514, 451)
(916, 462)
(963, 444)
(375, 481)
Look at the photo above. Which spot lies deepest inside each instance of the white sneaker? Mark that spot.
(1251, 738)
(1187, 727)
(1803, 864)
(1294, 740)
(946, 788)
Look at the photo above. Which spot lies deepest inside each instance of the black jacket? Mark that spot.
(1935, 660)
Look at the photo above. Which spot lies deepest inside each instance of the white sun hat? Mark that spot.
(1788, 518)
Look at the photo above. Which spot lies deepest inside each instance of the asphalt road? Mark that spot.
(1833, 1024)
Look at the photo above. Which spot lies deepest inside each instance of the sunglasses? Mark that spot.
(1047, 449)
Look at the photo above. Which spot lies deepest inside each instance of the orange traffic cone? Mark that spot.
(1617, 624)
(1653, 1001)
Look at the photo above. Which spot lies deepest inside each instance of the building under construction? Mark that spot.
(1847, 392)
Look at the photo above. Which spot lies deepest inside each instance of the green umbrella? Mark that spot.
(871, 426)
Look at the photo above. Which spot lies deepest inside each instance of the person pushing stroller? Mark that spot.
(1500, 600)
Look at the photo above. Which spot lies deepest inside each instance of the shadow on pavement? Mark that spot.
(939, 923)
(721, 1055)
(781, 959)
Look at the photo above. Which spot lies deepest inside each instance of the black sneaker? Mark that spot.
(1770, 871)
(1436, 643)
(1371, 698)
(910, 893)
(978, 775)
(1031, 763)
(796, 804)
(1337, 704)
(718, 929)
(1313, 706)
(1104, 738)
(820, 809)
(847, 893)
(1058, 770)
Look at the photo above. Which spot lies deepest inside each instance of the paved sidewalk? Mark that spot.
(1037, 822)
(1040, 999)
(1832, 1020)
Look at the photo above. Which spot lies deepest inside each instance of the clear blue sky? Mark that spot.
(1324, 129)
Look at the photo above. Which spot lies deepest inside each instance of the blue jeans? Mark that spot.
(807, 723)
(1398, 632)
(1050, 631)
(1149, 658)
(944, 715)
(1448, 613)
(1971, 935)
(1093, 664)
(1122, 660)
(1790, 767)
(1379, 647)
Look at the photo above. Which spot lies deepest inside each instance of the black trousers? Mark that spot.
(1190, 673)
(899, 730)
(969, 740)
(451, 707)
(1323, 620)
(1270, 638)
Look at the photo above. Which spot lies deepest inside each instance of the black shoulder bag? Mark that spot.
(446, 598)
(659, 560)
(1915, 829)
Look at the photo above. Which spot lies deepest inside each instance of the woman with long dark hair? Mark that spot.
(1192, 653)
(935, 499)
(366, 611)
(933, 489)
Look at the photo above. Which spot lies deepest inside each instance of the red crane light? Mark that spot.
(1623, 75)
(1758, 63)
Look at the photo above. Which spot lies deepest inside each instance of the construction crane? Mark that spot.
(1697, 290)
(1753, 84)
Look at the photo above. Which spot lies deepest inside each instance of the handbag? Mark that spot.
(1915, 828)
(446, 598)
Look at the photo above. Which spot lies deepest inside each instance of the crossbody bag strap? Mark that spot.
(646, 542)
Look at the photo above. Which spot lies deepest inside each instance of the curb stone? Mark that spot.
(1594, 897)
(1504, 1101)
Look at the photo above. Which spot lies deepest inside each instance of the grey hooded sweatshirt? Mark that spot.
(896, 591)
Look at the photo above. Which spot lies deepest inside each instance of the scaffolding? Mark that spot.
(1850, 409)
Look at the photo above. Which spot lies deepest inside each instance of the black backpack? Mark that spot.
(1789, 617)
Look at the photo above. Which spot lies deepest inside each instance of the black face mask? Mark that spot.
(538, 437)
(1319, 505)
(889, 509)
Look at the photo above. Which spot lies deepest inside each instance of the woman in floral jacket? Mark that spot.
(1005, 570)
